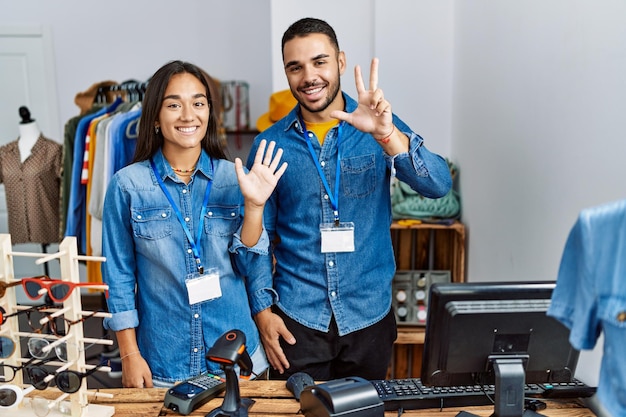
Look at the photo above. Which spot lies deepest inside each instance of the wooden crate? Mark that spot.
(429, 247)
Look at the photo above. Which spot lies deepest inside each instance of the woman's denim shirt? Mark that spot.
(590, 295)
(148, 257)
(355, 287)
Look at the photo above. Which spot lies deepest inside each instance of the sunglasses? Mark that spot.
(52, 322)
(5, 285)
(7, 347)
(11, 395)
(8, 372)
(57, 289)
(68, 381)
(4, 316)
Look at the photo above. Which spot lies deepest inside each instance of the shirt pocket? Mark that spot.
(222, 220)
(152, 223)
(358, 175)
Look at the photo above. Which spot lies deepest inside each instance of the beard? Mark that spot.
(330, 97)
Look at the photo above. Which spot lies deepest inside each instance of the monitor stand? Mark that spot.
(510, 380)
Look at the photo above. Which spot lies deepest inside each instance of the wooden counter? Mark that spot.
(273, 399)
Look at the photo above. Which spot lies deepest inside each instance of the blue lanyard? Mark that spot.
(334, 199)
(179, 215)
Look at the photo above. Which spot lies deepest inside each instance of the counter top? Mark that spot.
(273, 399)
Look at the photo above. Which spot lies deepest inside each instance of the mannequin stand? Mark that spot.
(233, 405)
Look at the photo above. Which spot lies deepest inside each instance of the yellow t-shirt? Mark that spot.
(321, 129)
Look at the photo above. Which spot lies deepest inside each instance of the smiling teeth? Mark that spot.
(187, 129)
(317, 90)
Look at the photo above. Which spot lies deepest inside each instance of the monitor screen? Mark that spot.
(495, 333)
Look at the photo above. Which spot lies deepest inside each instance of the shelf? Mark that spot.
(430, 247)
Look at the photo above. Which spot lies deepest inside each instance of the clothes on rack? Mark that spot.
(98, 143)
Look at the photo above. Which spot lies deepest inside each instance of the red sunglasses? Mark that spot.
(57, 289)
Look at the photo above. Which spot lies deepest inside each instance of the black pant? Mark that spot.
(325, 356)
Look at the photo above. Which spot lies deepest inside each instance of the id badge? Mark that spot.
(203, 287)
(337, 238)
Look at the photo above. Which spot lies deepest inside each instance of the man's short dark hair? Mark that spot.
(307, 26)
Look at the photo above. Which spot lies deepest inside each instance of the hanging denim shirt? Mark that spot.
(354, 287)
(146, 249)
(590, 295)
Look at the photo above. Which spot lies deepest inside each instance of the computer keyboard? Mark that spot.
(411, 394)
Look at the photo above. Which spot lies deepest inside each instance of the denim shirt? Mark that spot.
(590, 295)
(354, 287)
(146, 249)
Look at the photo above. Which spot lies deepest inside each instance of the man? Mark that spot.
(327, 309)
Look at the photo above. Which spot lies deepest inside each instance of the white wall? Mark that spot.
(120, 40)
(538, 126)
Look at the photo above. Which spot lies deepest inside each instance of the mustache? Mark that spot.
(312, 84)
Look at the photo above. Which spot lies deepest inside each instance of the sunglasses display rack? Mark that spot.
(77, 402)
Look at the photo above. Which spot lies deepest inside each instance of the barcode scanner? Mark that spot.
(230, 350)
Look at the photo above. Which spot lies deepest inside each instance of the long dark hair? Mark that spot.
(148, 141)
(308, 26)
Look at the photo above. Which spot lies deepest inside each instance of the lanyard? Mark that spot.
(334, 199)
(179, 215)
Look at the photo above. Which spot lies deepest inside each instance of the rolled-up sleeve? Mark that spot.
(424, 171)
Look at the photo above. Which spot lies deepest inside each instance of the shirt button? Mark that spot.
(325, 196)
(195, 350)
(621, 316)
(333, 294)
(184, 191)
(187, 219)
(232, 214)
(210, 213)
(188, 250)
(323, 163)
(331, 264)
(139, 216)
(195, 316)
(164, 215)
(310, 134)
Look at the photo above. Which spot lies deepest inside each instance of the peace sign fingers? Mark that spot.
(374, 74)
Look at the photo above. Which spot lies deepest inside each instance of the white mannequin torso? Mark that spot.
(29, 133)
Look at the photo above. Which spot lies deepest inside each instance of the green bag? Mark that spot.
(409, 204)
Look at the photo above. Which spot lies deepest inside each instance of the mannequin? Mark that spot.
(29, 133)
(30, 169)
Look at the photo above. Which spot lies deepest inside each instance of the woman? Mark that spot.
(176, 239)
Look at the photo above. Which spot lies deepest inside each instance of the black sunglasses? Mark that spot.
(9, 371)
(68, 381)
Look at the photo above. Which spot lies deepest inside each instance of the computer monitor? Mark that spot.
(495, 333)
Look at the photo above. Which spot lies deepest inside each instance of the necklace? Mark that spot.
(184, 171)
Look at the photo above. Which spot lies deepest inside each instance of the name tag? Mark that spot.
(338, 238)
(203, 287)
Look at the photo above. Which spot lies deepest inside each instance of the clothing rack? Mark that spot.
(74, 338)
(132, 89)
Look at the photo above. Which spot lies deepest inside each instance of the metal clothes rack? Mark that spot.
(133, 90)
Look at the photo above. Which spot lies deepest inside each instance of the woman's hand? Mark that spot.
(259, 183)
